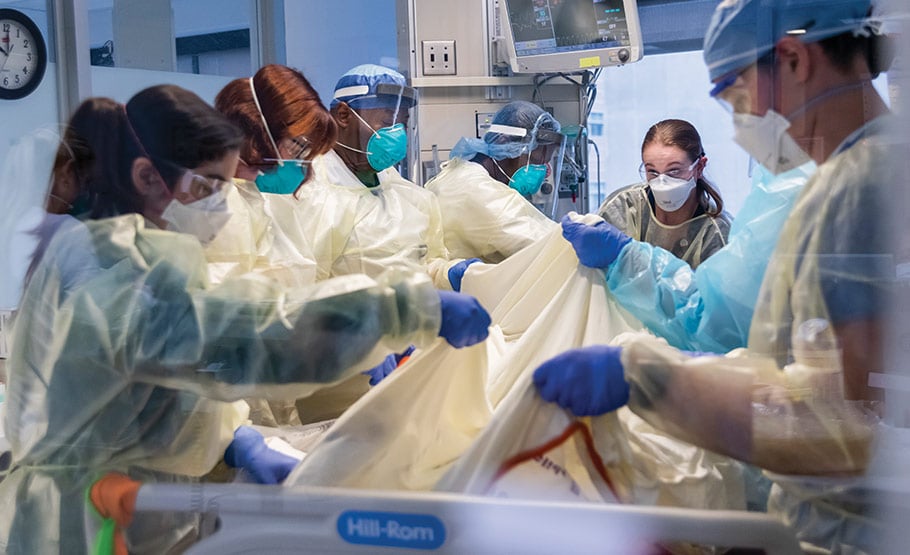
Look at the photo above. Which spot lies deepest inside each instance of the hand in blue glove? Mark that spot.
(381, 370)
(384, 368)
(597, 246)
(587, 381)
(456, 272)
(464, 321)
(249, 452)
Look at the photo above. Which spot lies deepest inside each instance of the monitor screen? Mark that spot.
(564, 35)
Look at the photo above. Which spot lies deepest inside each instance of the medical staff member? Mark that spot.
(675, 207)
(797, 77)
(273, 161)
(709, 308)
(121, 345)
(360, 213)
(484, 186)
(284, 125)
(336, 222)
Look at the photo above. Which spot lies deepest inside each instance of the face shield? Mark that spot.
(741, 49)
(384, 114)
(538, 150)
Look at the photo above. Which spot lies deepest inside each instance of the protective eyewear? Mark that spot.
(300, 150)
(733, 94)
(647, 174)
(200, 186)
(407, 94)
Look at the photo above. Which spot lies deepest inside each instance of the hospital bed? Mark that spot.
(273, 519)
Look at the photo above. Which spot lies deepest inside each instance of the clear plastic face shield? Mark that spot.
(766, 105)
(760, 129)
(385, 119)
(541, 150)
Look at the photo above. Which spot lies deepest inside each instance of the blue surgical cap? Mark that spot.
(370, 86)
(517, 128)
(742, 31)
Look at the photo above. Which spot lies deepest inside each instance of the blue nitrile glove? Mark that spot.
(249, 452)
(381, 370)
(587, 381)
(456, 272)
(464, 321)
(384, 368)
(597, 246)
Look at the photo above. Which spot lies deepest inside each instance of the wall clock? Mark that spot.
(23, 55)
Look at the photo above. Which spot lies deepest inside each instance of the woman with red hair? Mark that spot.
(285, 125)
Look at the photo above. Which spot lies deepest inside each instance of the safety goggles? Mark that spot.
(299, 148)
(200, 186)
(647, 174)
(733, 91)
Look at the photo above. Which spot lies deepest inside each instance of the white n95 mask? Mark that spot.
(671, 193)
(765, 138)
(203, 218)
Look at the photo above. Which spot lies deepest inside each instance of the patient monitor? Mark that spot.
(569, 35)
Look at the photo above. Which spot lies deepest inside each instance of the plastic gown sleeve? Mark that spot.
(710, 308)
(439, 260)
(482, 217)
(747, 409)
(150, 313)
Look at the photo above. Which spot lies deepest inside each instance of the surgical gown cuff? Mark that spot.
(415, 315)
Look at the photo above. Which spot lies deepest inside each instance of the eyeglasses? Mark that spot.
(648, 174)
(200, 186)
(300, 148)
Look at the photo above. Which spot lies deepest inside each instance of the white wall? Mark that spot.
(634, 97)
(325, 39)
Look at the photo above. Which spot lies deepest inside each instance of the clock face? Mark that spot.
(23, 55)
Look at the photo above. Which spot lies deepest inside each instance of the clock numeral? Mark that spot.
(6, 81)
(25, 43)
(28, 57)
(17, 79)
(17, 32)
(25, 70)
(6, 27)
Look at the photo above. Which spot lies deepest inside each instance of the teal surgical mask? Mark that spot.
(526, 179)
(387, 145)
(284, 179)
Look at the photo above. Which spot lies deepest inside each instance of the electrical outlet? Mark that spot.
(438, 57)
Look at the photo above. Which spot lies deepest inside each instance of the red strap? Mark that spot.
(576, 426)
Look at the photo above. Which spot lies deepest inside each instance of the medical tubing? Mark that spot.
(574, 427)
